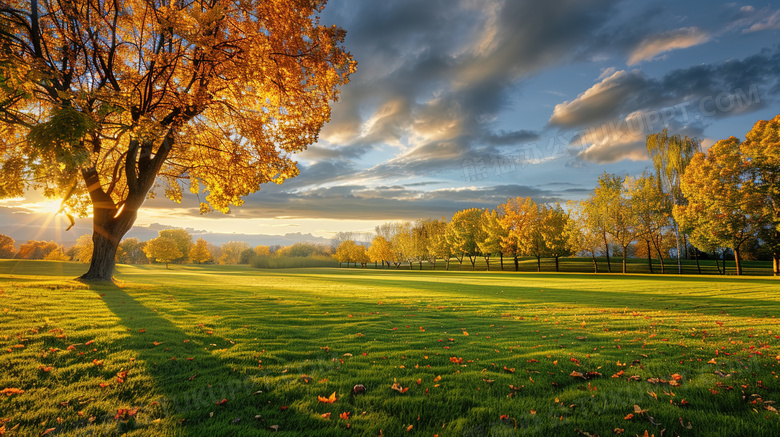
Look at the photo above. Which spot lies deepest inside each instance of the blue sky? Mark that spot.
(461, 103)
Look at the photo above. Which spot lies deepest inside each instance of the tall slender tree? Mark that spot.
(671, 155)
(492, 233)
(553, 230)
(462, 234)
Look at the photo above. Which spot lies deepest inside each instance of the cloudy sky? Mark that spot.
(462, 103)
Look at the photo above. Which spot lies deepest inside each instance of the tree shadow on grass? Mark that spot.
(189, 381)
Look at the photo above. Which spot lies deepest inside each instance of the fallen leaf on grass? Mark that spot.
(125, 413)
(222, 402)
(326, 416)
(397, 387)
(689, 426)
(345, 415)
(48, 431)
(328, 400)
(437, 378)
(11, 391)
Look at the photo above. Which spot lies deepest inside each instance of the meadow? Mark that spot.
(234, 351)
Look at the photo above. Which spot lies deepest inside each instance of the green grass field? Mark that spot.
(223, 351)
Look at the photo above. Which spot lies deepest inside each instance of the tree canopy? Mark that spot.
(102, 101)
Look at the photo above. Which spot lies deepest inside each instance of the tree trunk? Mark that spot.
(419, 263)
(625, 250)
(517, 264)
(410, 266)
(109, 226)
(448, 264)
(696, 255)
(649, 258)
(111, 221)
(606, 250)
(538, 263)
(501, 260)
(776, 263)
(434, 264)
(737, 260)
(595, 264)
(473, 262)
(556, 264)
(660, 255)
(487, 261)
(715, 257)
(677, 240)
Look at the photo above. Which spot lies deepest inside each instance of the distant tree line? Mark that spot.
(172, 246)
(691, 204)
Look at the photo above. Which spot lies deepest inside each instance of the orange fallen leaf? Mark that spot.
(629, 416)
(409, 428)
(437, 378)
(345, 415)
(397, 387)
(97, 363)
(328, 400)
(222, 402)
(89, 342)
(326, 416)
(11, 391)
(48, 431)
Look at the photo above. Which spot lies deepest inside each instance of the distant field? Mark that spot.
(215, 350)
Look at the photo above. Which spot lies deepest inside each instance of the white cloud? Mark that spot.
(665, 42)
(598, 102)
(770, 23)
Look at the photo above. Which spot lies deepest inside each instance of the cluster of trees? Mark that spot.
(691, 203)
(171, 246)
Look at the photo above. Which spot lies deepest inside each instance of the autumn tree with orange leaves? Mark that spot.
(101, 102)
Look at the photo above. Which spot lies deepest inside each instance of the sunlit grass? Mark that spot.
(251, 335)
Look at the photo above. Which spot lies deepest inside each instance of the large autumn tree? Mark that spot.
(761, 150)
(724, 202)
(103, 101)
